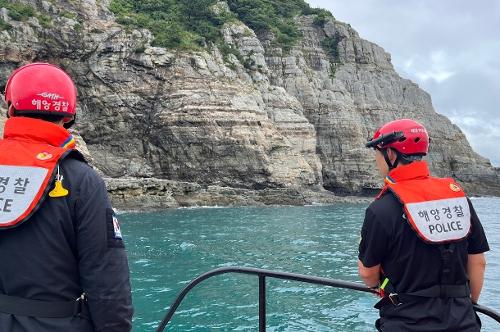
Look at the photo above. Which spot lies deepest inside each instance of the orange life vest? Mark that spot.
(29, 155)
(436, 208)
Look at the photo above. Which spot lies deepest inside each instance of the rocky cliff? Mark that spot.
(168, 127)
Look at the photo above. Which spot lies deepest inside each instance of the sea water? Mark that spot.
(168, 249)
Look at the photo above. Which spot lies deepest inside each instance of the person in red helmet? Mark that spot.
(64, 266)
(422, 245)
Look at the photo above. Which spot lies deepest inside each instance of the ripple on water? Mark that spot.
(187, 245)
(302, 242)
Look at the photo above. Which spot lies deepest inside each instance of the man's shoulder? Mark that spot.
(385, 205)
(75, 164)
(79, 171)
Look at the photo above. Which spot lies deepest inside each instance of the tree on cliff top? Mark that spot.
(190, 24)
(185, 24)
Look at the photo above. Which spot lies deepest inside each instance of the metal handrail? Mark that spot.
(262, 274)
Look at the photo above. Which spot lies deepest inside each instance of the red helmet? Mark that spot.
(41, 88)
(405, 136)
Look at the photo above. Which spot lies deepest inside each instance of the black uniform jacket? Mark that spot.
(412, 265)
(68, 247)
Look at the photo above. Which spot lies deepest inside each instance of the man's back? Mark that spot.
(64, 249)
(412, 265)
(61, 248)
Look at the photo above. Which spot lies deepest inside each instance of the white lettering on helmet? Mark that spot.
(418, 130)
(50, 95)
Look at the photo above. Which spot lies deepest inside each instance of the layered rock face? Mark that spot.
(365, 93)
(169, 128)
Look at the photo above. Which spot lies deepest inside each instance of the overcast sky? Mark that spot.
(450, 48)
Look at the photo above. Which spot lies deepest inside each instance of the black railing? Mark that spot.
(262, 274)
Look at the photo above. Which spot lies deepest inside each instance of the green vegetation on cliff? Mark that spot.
(276, 16)
(18, 11)
(186, 24)
(22, 12)
(4, 25)
(191, 24)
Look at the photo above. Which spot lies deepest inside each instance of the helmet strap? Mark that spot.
(68, 124)
(388, 161)
(11, 111)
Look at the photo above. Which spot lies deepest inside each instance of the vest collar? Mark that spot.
(38, 131)
(414, 170)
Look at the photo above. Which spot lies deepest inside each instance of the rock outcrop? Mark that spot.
(170, 128)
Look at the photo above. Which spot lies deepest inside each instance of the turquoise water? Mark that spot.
(168, 249)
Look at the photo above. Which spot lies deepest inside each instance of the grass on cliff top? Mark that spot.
(191, 24)
(276, 16)
(22, 12)
(18, 11)
(185, 24)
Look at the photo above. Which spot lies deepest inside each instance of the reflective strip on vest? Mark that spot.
(19, 185)
(440, 221)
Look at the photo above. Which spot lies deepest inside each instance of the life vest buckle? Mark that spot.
(393, 297)
(80, 307)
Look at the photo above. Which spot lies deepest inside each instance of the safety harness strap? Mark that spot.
(43, 309)
(447, 255)
(441, 291)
